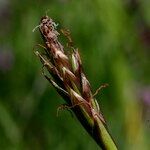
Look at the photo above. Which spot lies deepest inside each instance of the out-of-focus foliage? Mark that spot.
(114, 41)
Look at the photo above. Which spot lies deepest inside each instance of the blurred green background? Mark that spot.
(113, 37)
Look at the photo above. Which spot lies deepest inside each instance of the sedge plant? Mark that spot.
(69, 80)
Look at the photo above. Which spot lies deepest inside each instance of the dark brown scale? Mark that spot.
(48, 31)
(44, 32)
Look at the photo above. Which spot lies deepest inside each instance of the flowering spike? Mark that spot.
(71, 83)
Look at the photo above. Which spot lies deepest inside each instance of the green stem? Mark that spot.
(97, 130)
(106, 141)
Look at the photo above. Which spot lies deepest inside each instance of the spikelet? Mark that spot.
(69, 80)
